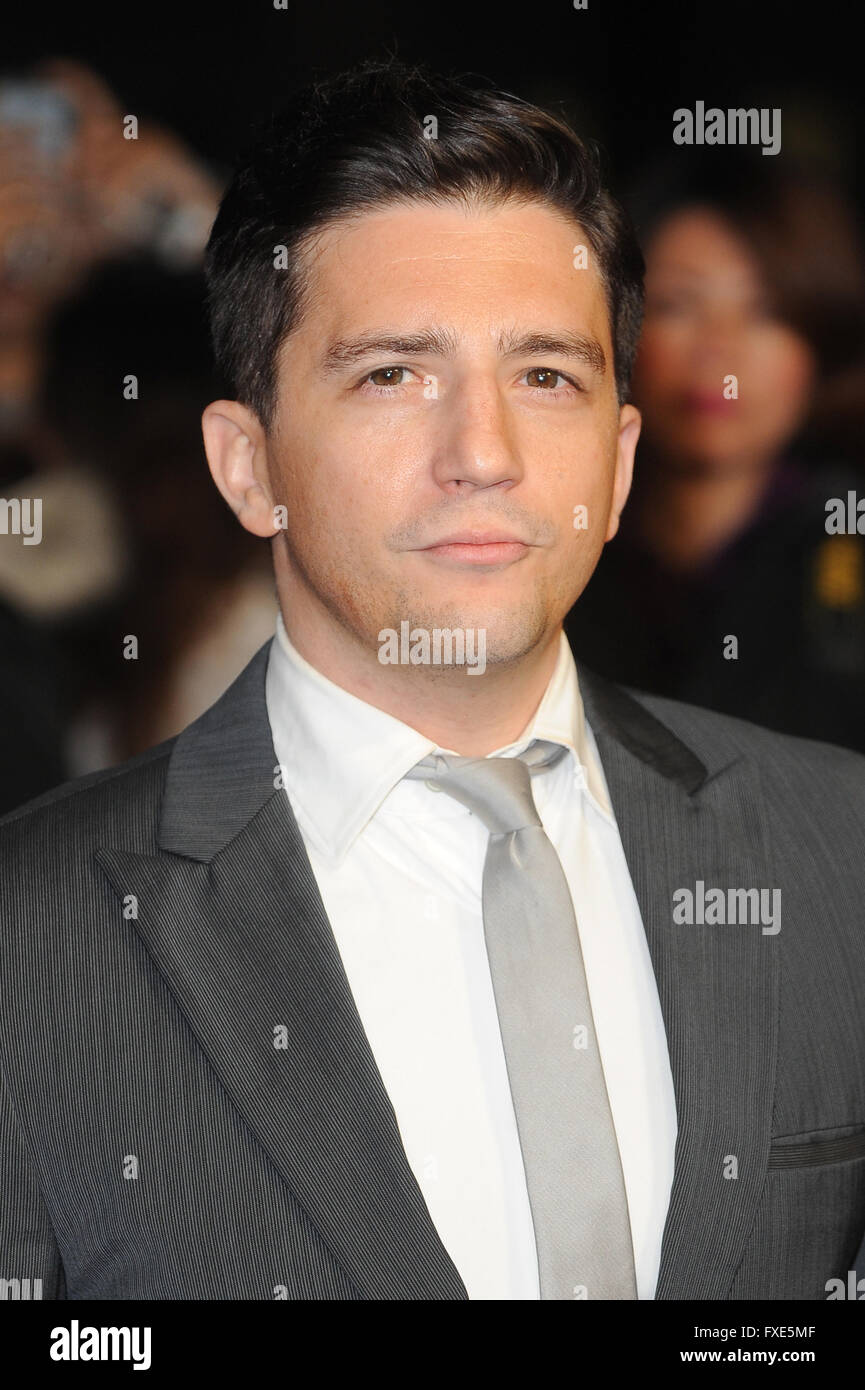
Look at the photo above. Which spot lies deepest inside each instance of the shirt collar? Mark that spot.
(340, 756)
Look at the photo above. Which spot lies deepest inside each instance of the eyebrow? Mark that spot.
(439, 342)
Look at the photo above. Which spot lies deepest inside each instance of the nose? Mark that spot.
(720, 336)
(475, 445)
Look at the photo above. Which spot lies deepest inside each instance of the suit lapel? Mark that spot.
(718, 985)
(232, 916)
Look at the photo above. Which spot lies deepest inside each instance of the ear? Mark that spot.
(630, 422)
(236, 446)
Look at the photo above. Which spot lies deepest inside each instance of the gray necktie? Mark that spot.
(568, 1141)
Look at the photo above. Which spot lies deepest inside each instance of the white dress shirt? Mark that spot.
(399, 868)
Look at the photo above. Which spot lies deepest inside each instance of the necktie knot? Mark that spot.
(498, 790)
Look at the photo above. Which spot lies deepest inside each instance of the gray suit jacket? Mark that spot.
(161, 920)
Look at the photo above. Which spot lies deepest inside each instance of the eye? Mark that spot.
(671, 302)
(762, 310)
(386, 387)
(549, 376)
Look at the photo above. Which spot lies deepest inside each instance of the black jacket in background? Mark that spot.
(30, 726)
(792, 595)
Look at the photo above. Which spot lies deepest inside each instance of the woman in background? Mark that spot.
(723, 586)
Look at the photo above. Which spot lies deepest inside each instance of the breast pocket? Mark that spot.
(811, 1218)
(807, 1151)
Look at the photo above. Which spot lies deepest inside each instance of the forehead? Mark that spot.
(487, 264)
(701, 239)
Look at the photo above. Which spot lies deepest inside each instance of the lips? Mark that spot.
(477, 548)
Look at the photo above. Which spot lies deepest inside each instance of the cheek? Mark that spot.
(588, 485)
(321, 502)
(370, 464)
(783, 369)
(662, 360)
(342, 512)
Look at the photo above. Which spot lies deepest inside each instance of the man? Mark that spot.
(421, 967)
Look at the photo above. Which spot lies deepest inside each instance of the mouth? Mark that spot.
(709, 403)
(477, 548)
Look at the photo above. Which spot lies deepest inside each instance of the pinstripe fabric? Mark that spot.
(189, 1108)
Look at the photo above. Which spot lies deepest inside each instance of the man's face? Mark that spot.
(465, 428)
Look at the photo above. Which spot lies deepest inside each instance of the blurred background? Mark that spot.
(723, 587)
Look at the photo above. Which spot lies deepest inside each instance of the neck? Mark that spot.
(688, 515)
(469, 714)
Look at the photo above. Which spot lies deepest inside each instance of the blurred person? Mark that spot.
(723, 586)
(73, 192)
(44, 246)
(390, 950)
(190, 587)
(46, 235)
(79, 184)
(31, 744)
(145, 190)
(31, 740)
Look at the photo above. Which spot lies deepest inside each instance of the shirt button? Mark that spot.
(433, 786)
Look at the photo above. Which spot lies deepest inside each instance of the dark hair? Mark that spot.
(357, 141)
